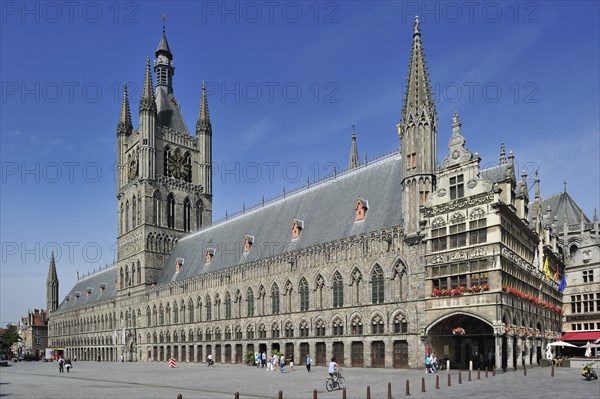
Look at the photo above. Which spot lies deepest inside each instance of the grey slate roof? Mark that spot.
(327, 210)
(168, 112)
(560, 205)
(106, 277)
(163, 46)
(495, 174)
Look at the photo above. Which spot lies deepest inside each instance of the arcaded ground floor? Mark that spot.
(157, 380)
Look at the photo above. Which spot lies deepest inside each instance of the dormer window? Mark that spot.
(248, 241)
(77, 295)
(360, 209)
(67, 298)
(210, 252)
(178, 264)
(102, 287)
(297, 227)
(88, 291)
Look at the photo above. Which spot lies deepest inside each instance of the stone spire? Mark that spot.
(52, 286)
(204, 135)
(203, 115)
(417, 131)
(418, 96)
(147, 102)
(125, 126)
(353, 162)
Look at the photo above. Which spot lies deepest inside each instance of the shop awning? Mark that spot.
(580, 336)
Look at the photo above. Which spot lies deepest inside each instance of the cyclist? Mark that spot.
(333, 370)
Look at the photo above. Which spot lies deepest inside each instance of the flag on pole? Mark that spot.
(114, 337)
(563, 284)
(123, 336)
(556, 276)
(546, 269)
(536, 261)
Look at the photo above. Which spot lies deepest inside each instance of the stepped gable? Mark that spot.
(327, 212)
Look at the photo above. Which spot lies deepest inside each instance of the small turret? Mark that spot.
(353, 162)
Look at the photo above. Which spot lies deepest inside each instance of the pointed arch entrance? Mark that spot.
(462, 338)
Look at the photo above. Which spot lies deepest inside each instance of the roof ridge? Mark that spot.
(297, 191)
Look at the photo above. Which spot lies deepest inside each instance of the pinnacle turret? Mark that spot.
(52, 286)
(353, 162)
(203, 122)
(147, 102)
(125, 126)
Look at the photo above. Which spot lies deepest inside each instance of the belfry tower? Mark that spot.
(418, 139)
(163, 176)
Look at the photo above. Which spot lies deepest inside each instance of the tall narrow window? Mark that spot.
(156, 209)
(133, 212)
(250, 301)
(208, 306)
(188, 167)
(274, 299)
(198, 215)
(227, 306)
(303, 295)
(127, 216)
(171, 211)
(187, 213)
(377, 289)
(338, 291)
(167, 155)
(457, 188)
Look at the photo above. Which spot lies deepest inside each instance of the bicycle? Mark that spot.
(338, 383)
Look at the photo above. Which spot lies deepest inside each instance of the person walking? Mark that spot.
(427, 364)
(308, 362)
(61, 365)
(68, 364)
(282, 363)
(122, 358)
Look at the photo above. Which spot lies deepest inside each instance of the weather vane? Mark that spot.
(164, 18)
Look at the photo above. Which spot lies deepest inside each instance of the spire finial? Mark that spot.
(417, 27)
(502, 154)
(565, 186)
(164, 18)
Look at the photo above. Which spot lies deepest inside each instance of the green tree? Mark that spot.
(9, 336)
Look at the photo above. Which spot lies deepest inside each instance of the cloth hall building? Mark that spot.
(376, 265)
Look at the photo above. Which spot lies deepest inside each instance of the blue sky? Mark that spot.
(286, 83)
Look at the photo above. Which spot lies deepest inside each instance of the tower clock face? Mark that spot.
(178, 167)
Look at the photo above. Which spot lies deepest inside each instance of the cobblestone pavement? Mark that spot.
(193, 380)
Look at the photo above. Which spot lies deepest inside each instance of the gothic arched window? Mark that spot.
(187, 213)
(274, 299)
(377, 288)
(171, 211)
(338, 290)
(303, 288)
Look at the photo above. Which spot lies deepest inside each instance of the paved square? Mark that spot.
(193, 380)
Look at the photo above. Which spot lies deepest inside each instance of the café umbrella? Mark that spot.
(562, 344)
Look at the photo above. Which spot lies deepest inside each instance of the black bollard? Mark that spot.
(368, 392)
(469, 375)
(389, 390)
(449, 382)
(437, 382)
(524, 370)
(236, 395)
(407, 388)
(344, 393)
(315, 394)
(460, 377)
(280, 396)
(423, 384)
(478, 374)
(552, 374)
